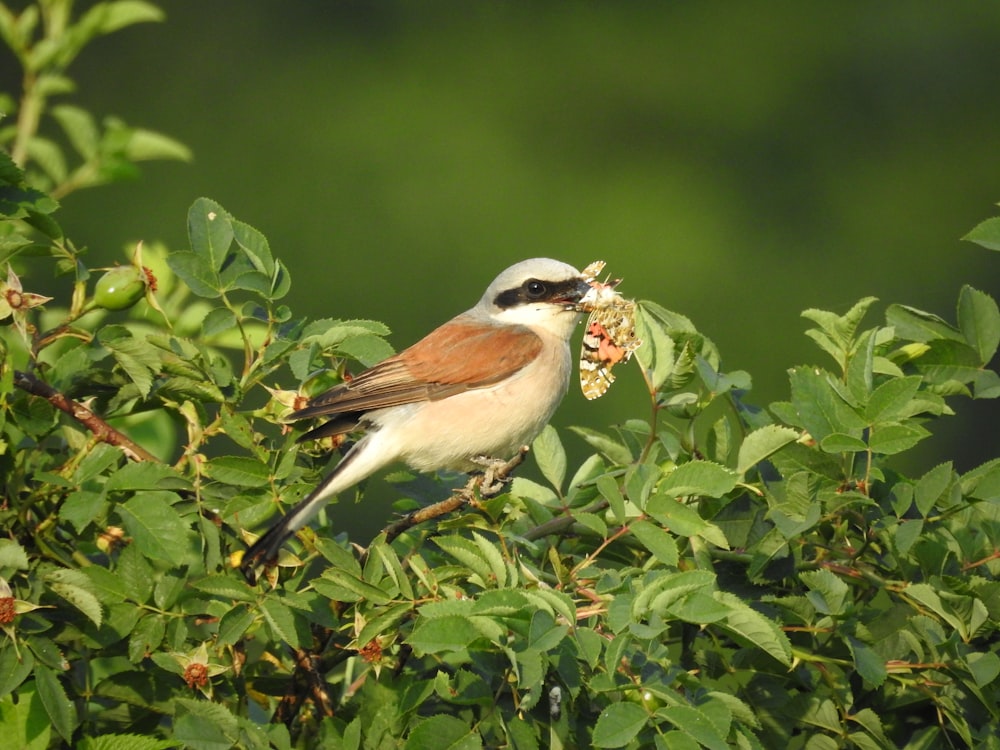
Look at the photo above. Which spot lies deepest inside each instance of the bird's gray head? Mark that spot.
(538, 293)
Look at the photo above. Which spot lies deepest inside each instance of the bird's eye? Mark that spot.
(535, 289)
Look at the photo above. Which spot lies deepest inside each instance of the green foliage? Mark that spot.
(714, 575)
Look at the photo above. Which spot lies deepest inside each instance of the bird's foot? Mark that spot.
(496, 473)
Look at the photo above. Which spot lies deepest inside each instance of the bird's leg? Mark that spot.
(496, 472)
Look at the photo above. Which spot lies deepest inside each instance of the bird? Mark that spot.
(475, 389)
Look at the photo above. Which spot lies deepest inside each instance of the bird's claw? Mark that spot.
(494, 477)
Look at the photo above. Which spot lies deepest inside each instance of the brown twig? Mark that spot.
(461, 497)
(100, 429)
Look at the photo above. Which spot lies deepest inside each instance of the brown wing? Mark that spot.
(460, 355)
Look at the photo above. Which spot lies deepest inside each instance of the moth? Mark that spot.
(609, 337)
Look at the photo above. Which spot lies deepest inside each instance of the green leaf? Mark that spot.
(607, 485)
(932, 487)
(12, 555)
(239, 471)
(138, 358)
(867, 662)
(125, 742)
(146, 145)
(657, 353)
(838, 442)
(210, 232)
(279, 616)
(155, 526)
(550, 455)
(984, 667)
(912, 324)
(235, 623)
(471, 556)
(618, 724)
(195, 271)
(750, 626)
(201, 725)
(14, 669)
(80, 129)
(695, 724)
(820, 408)
(225, 587)
(986, 234)
(146, 637)
(446, 633)
(443, 732)
(75, 587)
(892, 438)
(762, 443)
(61, 711)
(26, 723)
(684, 520)
(979, 321)
(616, 451)
(699, 479)
(827, 593)
(657, 540)
(891, 398)
(342, 586)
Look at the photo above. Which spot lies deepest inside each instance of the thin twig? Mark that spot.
(461, 497)
(100, 429)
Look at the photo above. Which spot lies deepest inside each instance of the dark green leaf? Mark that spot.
(891, 399)
(443, 732)
(618, 724)
(694, 723)
(240, 471)
(61, 711)
(155, 526)
(550, 455)
(979, 321)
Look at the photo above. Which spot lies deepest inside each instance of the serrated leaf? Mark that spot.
(550, 456)
(695, 724)
(61, 711)
(752, 627)
(984, 667)
(443, 732)
(699, 479)
(446, 633)
(616, 451)
(912, 324)
(75, 587)
(12, 555)
(657, 540)
(932, 487)
(762, 443)
(657, 353)
(239, 471)
(891, 398)
(282, 621)
(986, 234)
(196, 272)
(827, 593)
(210, 232)
(146, 637)
(618, 724)
(894, 438)
(469, 555)
(235, 623)
(979, 321)
(867, 662)
(350, 587)
(821, 410)
(155, 526)
(225, 587)
(139, 359)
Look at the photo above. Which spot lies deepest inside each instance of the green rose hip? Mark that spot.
(121, 287)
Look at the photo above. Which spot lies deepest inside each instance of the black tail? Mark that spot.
(265, 550)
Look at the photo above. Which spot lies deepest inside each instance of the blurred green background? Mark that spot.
(736, 162)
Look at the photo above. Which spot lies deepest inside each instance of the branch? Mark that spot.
(461, 497)
(100, 429)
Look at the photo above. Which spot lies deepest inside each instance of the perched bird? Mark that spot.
(478, 387)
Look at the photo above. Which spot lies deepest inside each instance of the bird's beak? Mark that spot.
(577, 294)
